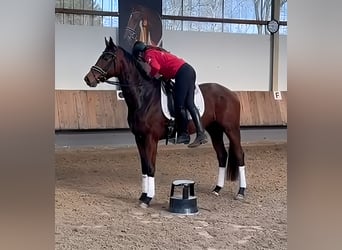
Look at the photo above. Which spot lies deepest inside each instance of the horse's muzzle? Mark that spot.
(89, 83)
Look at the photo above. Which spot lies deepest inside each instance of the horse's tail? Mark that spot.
(232, 166)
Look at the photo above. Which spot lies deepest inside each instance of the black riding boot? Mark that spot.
(182, 120)
(201, 137)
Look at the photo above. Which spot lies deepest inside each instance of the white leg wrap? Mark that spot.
(144, 183)
(242, 177)
(150, 192)
(221, 177)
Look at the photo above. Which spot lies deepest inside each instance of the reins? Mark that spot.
(117, 83)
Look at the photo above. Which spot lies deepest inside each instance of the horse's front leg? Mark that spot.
(147, 147)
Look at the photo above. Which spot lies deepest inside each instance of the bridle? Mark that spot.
(103, 73)
(131, 32)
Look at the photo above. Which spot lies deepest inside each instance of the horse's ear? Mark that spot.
(106, 41)
(111, 42)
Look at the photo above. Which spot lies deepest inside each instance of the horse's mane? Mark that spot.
(141, 70)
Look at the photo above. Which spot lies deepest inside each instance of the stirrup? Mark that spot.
(183, 139)
(200, 139)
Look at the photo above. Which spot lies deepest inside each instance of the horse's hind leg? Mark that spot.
(216, 133)
(236, 161)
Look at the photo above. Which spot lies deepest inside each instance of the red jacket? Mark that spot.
(163, 63)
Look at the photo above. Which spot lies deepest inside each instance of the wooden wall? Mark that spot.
(81, 109)
(259, 108)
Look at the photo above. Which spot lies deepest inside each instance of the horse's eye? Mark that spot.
(106, 57)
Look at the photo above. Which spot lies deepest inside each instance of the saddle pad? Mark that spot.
(199, 103)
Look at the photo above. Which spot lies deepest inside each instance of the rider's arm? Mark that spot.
(155, 67)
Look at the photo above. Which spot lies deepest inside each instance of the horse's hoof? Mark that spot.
(143, 197)
(239, 197)
(143, 205)
(144, 200)
(215, 193)
(216, 190)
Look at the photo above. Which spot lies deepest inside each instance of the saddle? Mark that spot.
(167, 90)
(168, 106)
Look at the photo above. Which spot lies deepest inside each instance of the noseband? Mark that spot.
(103, 73)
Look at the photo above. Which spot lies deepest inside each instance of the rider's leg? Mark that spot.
(187, 76)
(180, 92)
(201, 137)
(182, 126)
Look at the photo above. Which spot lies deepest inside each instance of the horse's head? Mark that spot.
(132, 29)
(104, 67)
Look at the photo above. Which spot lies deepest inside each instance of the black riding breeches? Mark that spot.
(185, 87)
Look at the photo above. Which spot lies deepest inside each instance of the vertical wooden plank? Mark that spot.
(277, 116)
(91, 104)
(254, 109)
(57, 124)
(108, 98)
(239, 94)
(245, 110)
(100, 109)
(67, 109)
(82, 109)
(283, 107)
(121, 112)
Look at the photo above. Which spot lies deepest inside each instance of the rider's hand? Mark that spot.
(158, 76)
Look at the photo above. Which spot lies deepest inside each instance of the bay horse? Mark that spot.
(144, 24)
(148, 124)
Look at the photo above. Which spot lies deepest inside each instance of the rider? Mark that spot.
(166, 65)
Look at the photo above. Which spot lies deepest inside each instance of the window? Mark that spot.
(87, 12)
(242, 9)
(235, 16)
